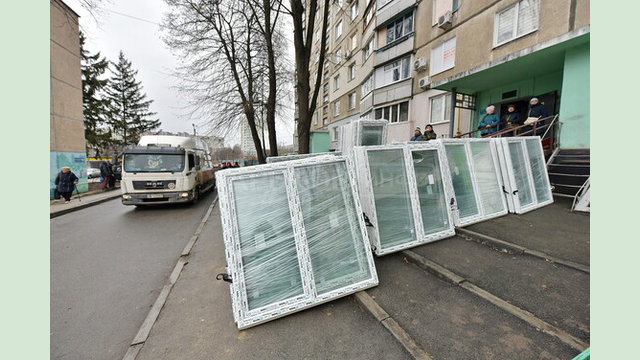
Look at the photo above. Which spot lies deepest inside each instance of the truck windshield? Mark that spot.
(153, 162)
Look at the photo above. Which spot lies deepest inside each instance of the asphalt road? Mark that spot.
(108, 264)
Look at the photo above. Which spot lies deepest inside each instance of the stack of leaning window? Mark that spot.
(524, 173)
(273, 159)
(406, 193)
(477, 183)
(362, 132)
(294, 236)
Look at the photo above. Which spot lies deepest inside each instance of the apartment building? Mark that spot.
(442, 62)
(67, 143)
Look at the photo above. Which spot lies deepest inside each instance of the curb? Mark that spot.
(521, 250)
(83, 206)
(524, 315)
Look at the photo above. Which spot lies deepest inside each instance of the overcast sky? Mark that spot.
(133, 27)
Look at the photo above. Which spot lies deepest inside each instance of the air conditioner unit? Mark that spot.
(444, 21)
(424, 82)
(420, 64)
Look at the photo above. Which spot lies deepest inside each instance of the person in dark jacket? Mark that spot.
(511, 118)
(429, 134)
(65, 183)
(488, 122)
(417, 135)
(107, 173)
(537, 110)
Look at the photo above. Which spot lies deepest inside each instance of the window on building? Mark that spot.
(443, 56)
(354, 41)
(399, 28)
(440, 7)
(515, 21)
(353, 10)
(352, 71)
(336, 83)
(352, 101)
(394, 113)
(367, 86)
(325, 88)
(325, 110)
(315, 119)
(334, 134)
(324, 121)
(397, 70)
(368, 49)
(368, 16)
(325, 98)
(336, 108)
(440, 109)
(338, 29)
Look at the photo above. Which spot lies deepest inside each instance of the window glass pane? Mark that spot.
(336, 247)
(436, 109)
(519, 164)
(404, 111)
(461, 178)
(538, 170)
(268, 248)
(527, 16)
(371, 135)
(378, 114)
(405, 67)
(447, 107)
(408, 24)
(505, 24)
(398, 27)
(390, 34)
(386, 113)
(391, 197)
(433, 202)
(484, 167)
(394, 113)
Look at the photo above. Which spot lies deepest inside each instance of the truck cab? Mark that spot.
(165, 169)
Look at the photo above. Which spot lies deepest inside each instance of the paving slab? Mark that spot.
(554, 293)
(552, 229)
(451, 323)
(196, 321)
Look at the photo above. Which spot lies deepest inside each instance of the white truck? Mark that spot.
(165, 169)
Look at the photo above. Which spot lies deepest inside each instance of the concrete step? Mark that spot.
(575, 151)
(567, 179)
(574, 169)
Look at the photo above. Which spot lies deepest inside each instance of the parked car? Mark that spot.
(93, 173)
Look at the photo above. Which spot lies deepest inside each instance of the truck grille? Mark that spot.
(153, 184)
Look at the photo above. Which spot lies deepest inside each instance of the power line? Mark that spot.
(134, 17)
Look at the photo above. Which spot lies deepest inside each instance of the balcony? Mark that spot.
(392, 9)
(395, 91)
(394, 50)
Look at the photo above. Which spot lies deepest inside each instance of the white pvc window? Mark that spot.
(367, 86)
(400, 28)
(352, 101)
(393, 113)
(475, 175)
(515, 21)
(338, 29)
(443, 57)
(440, 109)
(524, 173)
(362, 132)
(405, 191)
(396, 71)
(353, 10)
(352, 71)
(368, 49)
(301, 243)
(336, 83)
(336, 108)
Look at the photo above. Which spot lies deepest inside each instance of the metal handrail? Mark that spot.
(534, 129)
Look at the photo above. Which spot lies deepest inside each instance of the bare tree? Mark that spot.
(304, 20)
(225, 58)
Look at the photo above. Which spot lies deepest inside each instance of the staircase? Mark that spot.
(568, 170)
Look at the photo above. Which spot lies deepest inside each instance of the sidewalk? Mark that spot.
(470, 301)
(58, 207)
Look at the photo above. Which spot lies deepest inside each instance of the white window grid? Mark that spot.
(350, 134)
(368, 200)
(508, 176)
(482, 214)
(516, 18)
(393, 108)
(244, 317)
(275, 159)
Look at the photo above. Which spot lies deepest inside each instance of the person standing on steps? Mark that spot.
(65, 183)
(511, 118)
(489, 121)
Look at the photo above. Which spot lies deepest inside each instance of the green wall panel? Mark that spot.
(574, 113)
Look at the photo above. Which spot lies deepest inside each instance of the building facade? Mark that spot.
(67, 142)
(442, 62)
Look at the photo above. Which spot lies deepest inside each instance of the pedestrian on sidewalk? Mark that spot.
(65, 182)
(429, 134)
(106, 172)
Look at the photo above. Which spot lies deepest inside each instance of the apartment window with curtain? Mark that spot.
(393, 113)
(440, 109)
(352, 71)
(515, 21)
(397, 70)
(399, 28)
(443, 57)
(352, 101)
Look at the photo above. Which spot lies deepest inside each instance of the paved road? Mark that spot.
(108, 264)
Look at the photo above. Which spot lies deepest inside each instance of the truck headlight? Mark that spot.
(184, 194)
(126, 197)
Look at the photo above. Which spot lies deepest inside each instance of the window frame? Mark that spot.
(349, 97)
(515, 23)
(336, 108)
(353, 14)
(336, 83)
(351, 69)
(401, 22)
(433, 70)
(338, 29)
(444, 108)
(395, 107)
